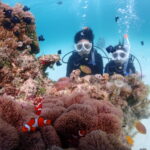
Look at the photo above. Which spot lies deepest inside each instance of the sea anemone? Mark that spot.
(50, 137)
(99, 140)
(8, 136)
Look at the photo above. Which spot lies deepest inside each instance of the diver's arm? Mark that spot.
(100, 64)
(106, 68)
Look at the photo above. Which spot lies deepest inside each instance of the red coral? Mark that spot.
(8, 136)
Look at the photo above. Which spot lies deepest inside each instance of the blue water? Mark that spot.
(59, 23)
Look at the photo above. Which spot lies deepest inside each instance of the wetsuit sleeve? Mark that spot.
(70, 66)
(106, 68)
(100, 64)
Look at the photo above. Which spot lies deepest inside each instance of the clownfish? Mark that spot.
(82, 133)
(34, 123)
(38, 109)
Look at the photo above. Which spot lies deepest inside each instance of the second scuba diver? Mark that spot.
(121, 62)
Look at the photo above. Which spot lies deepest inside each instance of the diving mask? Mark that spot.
(120, 56)
(83, 47)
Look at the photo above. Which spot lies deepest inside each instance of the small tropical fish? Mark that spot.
(38, 108)
(8, 13)
(41, 38)
(27, 20)
(129, 139)
(15, 19)
(58, 63)
(85, 69)
(38, 100)
(59, 52)
(59, 2)
(116, 19)
(140, 127)
(34, 123)
(142, 43)
(82, 133)
(26, 8)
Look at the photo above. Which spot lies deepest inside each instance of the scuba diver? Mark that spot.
(85, 57)
(122, 61)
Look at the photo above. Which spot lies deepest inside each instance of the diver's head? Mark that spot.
(84, 41)
(120, 54)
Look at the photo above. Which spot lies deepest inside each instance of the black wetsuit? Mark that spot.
(123, 69)
(93, 61)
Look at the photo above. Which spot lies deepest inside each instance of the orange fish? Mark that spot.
(140, 127)
(85, 69)
(82, 133)
(129, 139)
(38, 100)
(34, 123)
(38, 109)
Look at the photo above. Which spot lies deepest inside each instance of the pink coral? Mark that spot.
(62, 83)
(8, 136)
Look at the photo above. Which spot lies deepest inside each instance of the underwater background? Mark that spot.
(58, 21)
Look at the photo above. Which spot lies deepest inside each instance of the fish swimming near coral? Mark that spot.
(26, 8)
(129, 139)
(116, 19)
(58, 63)
(34, 123)
(140, 127)
(59, 3)
(15, 20)
(41, 38)
(142, 43)
(85, 69)
(59, 52)
(38, 108)
(8, 13)
(27, 20)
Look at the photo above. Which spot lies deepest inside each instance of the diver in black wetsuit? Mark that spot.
(85, 54)
(122, 62)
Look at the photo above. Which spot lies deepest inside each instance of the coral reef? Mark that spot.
(93, 112)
